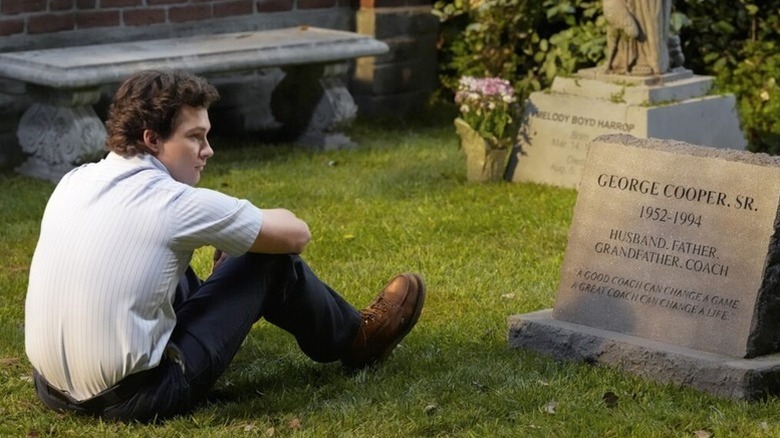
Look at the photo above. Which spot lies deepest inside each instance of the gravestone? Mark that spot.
(672, 268)
(559, 123)
(641, 89)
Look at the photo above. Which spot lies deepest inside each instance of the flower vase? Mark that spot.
(484, 162)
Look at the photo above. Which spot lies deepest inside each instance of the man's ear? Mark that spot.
(152, 141)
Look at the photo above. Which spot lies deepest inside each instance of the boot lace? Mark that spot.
(375, 311)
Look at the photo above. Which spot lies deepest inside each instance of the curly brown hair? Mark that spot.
(151, 99)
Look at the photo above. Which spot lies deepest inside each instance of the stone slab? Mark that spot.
(677, 243)
(558, 124)
(720, 375)
(87, 66)
(70, 79)
(676, 74)
(634, 90)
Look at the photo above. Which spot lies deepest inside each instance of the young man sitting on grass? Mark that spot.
(117, 325)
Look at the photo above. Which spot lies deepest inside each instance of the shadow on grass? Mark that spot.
(270, 380)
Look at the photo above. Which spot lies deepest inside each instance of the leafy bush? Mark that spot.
(737, 42)
(530, 42)
(526, 42)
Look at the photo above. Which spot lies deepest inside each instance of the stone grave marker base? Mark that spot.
(559, 123)
(720, 375)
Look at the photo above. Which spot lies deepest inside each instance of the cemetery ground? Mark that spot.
(398, 202)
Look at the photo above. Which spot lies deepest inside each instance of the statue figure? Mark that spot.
(637, 36)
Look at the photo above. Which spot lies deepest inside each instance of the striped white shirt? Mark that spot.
(115, 238)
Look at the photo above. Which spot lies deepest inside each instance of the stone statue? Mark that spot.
(638, 36)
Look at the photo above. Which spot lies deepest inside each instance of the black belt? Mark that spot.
(118, 393)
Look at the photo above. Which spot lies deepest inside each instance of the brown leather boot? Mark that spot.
(386, 321)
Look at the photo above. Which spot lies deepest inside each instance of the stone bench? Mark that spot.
(62, 129)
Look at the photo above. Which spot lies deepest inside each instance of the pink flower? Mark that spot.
(489, 106)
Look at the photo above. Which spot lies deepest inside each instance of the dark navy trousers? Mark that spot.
(213, 319)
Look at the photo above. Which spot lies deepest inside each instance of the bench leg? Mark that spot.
(312, 104)
(58, 138)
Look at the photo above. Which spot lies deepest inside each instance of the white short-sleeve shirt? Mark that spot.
(115, 238)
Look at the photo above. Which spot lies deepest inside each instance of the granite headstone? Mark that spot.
(559, 123)
(672, 268)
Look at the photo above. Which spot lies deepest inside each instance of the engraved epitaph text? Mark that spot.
(668, 246)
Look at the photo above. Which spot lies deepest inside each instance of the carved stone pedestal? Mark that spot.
(313, 104)
(59, 132)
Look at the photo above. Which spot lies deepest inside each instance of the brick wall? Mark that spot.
(33, 17)
(401, 81)
(26, 24)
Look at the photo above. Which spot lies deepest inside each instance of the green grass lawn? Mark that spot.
(399, 202)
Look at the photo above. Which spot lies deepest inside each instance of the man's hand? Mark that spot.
(219, 258)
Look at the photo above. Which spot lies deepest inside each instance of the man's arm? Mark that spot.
(281, 233)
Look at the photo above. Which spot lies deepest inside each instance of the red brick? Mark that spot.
(189, 13)
(164, 2)
(104, 4)
(85, 4)
(11, 26)
(370, 4)
(60, 5)
(237, 7)
(33, 5)
(143, 17)
(85, 20)
(274, 5)
(47, 23)
(12, 7)
(316, 4)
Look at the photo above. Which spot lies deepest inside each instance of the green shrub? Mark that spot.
(526, 42)
(530, 42)
(737, 42)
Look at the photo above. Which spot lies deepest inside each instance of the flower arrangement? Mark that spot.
(489, 106)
